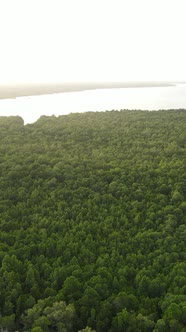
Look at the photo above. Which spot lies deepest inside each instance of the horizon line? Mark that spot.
(13, 90)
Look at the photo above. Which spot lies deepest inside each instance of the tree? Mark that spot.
(121, 321)
(7, 323)
(72, 288)
(61, 315)
(87, 329)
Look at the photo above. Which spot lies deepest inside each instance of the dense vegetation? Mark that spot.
(92, 222)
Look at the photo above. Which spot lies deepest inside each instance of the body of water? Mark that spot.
(145, 98)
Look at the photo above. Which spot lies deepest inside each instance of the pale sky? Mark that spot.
(92, 40)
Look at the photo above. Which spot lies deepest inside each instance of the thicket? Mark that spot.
(93, 222)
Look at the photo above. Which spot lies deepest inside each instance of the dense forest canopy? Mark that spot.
(93, 222)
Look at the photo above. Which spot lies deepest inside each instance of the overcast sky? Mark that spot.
(92, 40)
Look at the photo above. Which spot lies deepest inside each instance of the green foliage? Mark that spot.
(37, 329)
(87, 329)
(92, 222)
(7, 323)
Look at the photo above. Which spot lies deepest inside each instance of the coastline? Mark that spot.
(11, 91)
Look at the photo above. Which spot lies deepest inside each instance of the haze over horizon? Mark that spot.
(57, 41)
(54, 46)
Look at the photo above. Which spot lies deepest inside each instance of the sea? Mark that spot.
(30, 108)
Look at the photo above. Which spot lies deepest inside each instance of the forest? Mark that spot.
(93, 222)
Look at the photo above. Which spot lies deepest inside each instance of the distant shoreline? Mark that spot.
(23, 90)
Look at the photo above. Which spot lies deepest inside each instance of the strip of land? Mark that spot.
(20, 90)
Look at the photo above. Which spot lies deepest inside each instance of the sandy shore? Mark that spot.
(20, 90)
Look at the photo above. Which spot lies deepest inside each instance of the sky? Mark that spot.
(48, 41)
